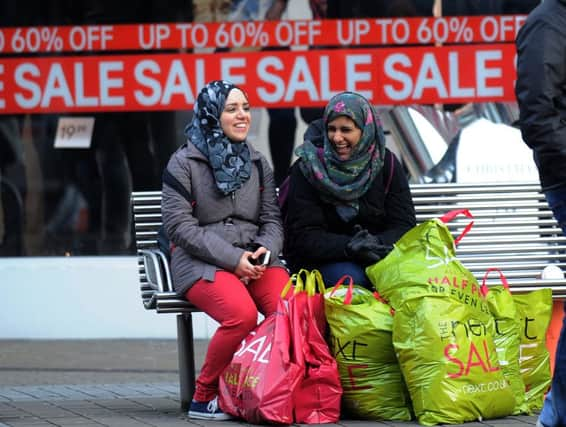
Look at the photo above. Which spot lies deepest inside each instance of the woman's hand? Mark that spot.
(247, 270)
(259, 255)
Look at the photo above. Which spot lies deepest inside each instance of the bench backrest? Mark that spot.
(513, 230)
(155, 277)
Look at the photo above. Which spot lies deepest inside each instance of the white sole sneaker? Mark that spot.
(219, 416)
(207, 411)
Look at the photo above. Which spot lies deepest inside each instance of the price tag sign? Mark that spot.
(74, 132)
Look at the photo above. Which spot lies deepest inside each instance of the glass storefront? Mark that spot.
(65, 67)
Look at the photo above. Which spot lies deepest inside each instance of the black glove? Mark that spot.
(366, 248)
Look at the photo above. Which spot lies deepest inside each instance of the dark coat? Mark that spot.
(211, 235)
(315, 234)
(541, 89)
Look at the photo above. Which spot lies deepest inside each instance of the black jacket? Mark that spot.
(315, 234)
(541, 89)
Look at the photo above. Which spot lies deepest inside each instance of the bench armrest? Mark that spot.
(157, 269)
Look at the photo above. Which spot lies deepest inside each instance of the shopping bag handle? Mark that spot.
(485, 289)
(297, 280)
(449, 216)
(301, 282)
(315, 282)
(287, 287)
(378, 297)
(349, 292)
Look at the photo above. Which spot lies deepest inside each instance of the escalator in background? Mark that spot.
(477, 144)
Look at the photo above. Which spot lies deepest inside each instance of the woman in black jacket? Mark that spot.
(349, 199)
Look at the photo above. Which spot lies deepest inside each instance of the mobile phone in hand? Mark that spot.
(265, 258)
(262, 260)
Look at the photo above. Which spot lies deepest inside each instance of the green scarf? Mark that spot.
(343, 182)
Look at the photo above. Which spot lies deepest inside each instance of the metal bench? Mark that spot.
(513, 230)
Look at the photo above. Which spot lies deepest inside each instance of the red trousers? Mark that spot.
(235, 307)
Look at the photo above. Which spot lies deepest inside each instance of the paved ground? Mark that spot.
(116, 383)
(40, 362)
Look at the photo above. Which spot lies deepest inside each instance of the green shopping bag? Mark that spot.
(447, 355)
(423, 262)
(443, 331)
(507, 336)
(360, 335)
(535, 312)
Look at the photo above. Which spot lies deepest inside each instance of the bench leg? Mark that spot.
(186, 352)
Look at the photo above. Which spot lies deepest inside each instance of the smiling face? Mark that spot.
(236, 118)
(344, 135)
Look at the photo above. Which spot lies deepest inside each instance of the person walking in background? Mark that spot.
(282, 121)
(349, 199)
(541, 95)
(229, 222)
(282, 126)
(12, 216)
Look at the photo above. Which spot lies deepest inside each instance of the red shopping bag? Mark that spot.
(318, 394)
(257, 383)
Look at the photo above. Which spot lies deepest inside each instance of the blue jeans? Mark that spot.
(553, 413)
(331, 273)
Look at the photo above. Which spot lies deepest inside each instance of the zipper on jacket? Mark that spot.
(233, 197)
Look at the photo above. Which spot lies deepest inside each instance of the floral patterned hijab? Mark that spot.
(230, 161)
(343, 182)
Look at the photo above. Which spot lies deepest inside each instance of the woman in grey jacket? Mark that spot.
(223, 231)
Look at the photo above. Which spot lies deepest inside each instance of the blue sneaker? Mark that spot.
(207, 411)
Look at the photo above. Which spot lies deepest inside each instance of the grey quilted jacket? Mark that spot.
(211, 235)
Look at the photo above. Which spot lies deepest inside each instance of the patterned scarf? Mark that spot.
(230, 161)
(343, 182)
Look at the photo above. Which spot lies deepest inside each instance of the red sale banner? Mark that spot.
(386, 76)
(315, 33)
